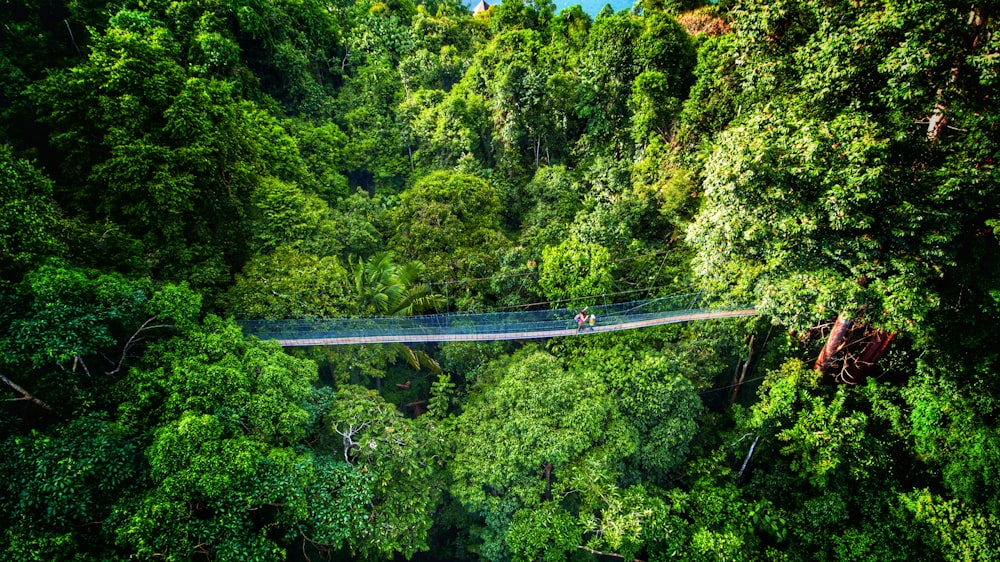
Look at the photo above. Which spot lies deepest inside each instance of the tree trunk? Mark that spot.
(978, 26)
(834, 343)
(737, 383)
(873, 352)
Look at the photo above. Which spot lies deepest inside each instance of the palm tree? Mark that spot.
(384, 288)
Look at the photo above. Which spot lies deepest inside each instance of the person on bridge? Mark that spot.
(580, 318)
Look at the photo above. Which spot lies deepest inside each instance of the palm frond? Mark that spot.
(411, 356)
(428, 362)
(422, 299)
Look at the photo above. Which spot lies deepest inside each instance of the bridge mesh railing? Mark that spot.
(471, 324)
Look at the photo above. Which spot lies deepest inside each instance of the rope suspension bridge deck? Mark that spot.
(520, 325)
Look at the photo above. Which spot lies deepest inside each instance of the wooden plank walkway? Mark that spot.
(542, 334)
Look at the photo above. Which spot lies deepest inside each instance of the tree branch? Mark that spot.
(133, 340)
(79, 360)
(747, 460)
(24, 393)
(599, 553)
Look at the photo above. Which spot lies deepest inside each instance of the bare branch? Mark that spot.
(612, 554)
(24, 393)
(78, 359)
(134, 340)
(747, 460)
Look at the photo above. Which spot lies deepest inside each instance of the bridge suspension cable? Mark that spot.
(529, 324)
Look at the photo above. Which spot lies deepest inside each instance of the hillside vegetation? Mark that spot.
(169, 169)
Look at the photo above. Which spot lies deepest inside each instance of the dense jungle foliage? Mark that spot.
(170, 168)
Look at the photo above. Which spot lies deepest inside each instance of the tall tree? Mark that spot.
(68, 332)
(839, 201)
(450, 222)
(176, 159)
(385, 478)
(27, 215)
(60, 487)
(224, 414)
(533, 438)
(607, 72)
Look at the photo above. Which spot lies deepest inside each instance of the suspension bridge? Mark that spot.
(516, 325)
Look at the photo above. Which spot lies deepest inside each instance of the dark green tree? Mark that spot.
(535, 440)
(27, 216)
(171, 159)
(60, 487)
(224, 415)
(450, 222)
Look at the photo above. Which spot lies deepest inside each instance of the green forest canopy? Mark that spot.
(168, 168)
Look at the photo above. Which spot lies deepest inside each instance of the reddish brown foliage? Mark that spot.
(700, 21)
